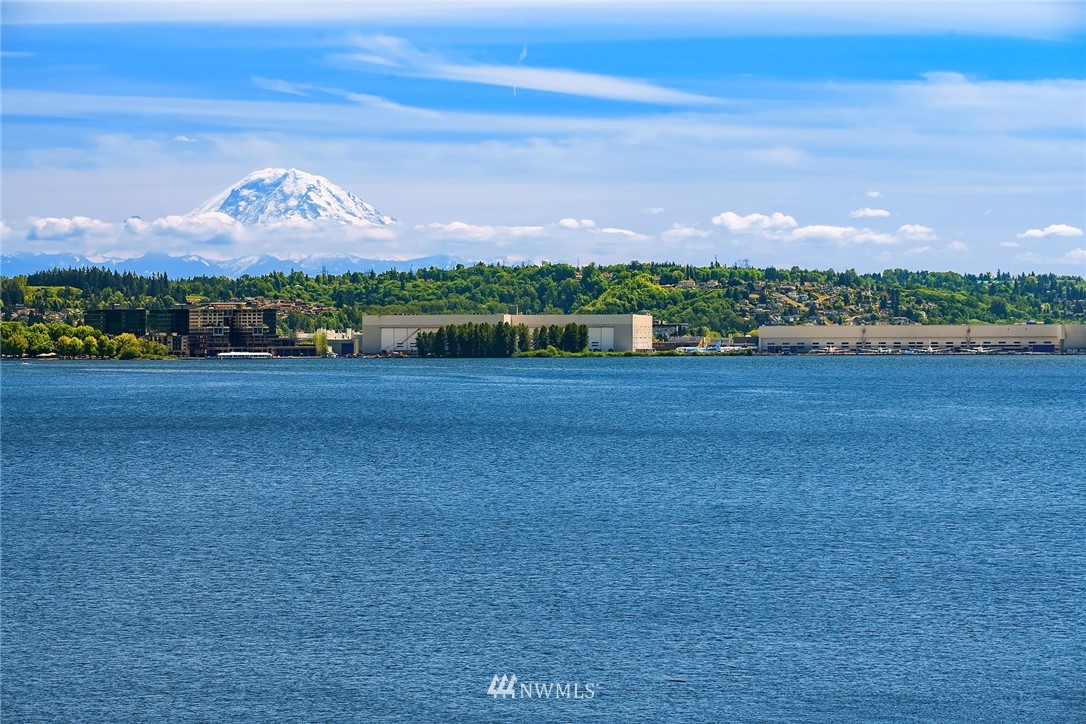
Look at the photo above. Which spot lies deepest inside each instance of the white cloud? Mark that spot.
(575, 224)
(195, 227)
(1053, 230)
(841, 234)
(780, 226)
(957, 246)
(682, 231)
(1009, 244)
(624, 232)
(654, 210)
(184, 139)
(482, 232)
(918, 250)
(76, 227)
(916, 232)
(1075, 256)
(397, 56)
(868, 213)
(215, 235)
(874, 194)
(754, 222)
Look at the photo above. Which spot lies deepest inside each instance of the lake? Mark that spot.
(845, 539)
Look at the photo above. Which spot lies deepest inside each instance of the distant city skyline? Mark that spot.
(868, 135)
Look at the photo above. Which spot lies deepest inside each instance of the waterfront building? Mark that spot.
(606, 332)
(202, 330)
(1074, 338)
(342, 344)
(117, 319)
(226, 326)
(888, 338)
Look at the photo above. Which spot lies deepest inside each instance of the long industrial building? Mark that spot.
(922, 338)
(606, 332)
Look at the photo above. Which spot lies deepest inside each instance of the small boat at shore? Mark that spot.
(244, 355)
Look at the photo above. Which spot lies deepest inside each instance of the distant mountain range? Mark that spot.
(277, 195)
(179, 267)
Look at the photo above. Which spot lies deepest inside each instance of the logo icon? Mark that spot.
(503, 688)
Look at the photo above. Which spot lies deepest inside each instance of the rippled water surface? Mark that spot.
(791, 539)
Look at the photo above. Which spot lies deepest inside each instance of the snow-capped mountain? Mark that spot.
(277, 195)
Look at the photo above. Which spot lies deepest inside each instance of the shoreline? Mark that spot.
(565, 355)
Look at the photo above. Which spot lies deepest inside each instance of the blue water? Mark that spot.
(797, 539)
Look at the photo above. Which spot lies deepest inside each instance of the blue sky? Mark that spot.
(867, 135)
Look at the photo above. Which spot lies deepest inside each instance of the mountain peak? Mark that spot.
(275, 195)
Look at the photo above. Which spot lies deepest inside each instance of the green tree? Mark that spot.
(320, 341)
(38, 340)
(107, 348)
(69, 346)
(13, 339)
(568, 340)
(440, 343)
(150, 348)
(540, 338)
(127, 346)
(83, 332)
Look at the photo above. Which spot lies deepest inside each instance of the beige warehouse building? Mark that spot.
(606, 332)
(916, 337)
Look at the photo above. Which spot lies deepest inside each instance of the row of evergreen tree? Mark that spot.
(499, 340)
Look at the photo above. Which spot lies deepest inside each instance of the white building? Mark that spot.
(606, 332)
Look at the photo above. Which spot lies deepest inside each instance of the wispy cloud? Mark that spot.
(628, 233)
(480, 232)
(396, 56)
(281, 86)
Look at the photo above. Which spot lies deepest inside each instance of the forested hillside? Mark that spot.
(718, 298)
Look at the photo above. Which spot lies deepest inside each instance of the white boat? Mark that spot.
(244, 355)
